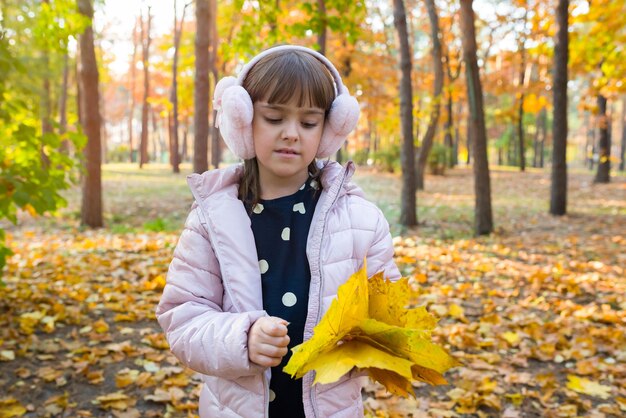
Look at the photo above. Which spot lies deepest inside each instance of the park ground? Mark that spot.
(535, 312)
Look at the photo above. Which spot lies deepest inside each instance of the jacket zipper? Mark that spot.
(319, 310)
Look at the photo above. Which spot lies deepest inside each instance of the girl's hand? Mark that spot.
(267, 341)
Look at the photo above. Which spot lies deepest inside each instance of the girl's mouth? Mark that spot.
(286, 151)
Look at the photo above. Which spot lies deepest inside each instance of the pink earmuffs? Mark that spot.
(235, 110)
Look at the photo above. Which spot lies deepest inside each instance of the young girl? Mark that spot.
(268, 242)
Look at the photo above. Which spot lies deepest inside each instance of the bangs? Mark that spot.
(291, 75)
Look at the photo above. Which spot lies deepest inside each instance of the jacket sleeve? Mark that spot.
(200, 334)
(380, 254)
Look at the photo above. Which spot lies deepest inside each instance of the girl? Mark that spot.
(268, 242)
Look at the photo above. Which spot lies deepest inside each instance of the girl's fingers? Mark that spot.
(275, 328)
(266, 361)
(273, 351)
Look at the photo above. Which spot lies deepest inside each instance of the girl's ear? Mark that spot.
(342, 119)
(234, 117)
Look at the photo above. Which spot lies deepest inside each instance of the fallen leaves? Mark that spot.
(78, 312)
(582, 385)
(541, 300)
(11, 407)
(543, 330)
(117, 400)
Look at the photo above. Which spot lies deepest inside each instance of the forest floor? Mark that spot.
(535, 312)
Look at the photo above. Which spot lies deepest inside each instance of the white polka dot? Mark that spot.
(299, 207)
(303, 186)
(285, 234)
(314, 185)
(289, 299)
(272, 395)
(263, 266)
(258, 208)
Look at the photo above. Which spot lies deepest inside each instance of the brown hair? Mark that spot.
(278, 78)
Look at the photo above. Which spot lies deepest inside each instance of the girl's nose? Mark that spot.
(290, 130)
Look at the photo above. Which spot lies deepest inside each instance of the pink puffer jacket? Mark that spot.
(213, 290)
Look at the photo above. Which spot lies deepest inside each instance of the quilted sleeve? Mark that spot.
(200, 334)
(380, 254)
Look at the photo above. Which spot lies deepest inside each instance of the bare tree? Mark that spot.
(174, 152)
(558, 187)
(216, 143)
(623, 147)
(145, 110)
(522, 86)
(133, 81)
(46, 102)
(483, 219)
(450, 143)
(201, 90)
(65, 145)
(427, 142)
(603, 175)
(408, 205)
(91, 208)
(321, 35)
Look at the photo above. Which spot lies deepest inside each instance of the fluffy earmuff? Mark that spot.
(235, 110)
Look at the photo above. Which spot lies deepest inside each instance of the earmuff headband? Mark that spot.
(341, 89)
(235, 109)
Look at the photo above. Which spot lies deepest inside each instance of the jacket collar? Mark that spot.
(228, 225)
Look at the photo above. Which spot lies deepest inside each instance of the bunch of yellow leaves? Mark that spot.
(369, 327)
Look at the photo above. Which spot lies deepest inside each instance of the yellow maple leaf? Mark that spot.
(368, 326)
(588, 387)
(10, 407)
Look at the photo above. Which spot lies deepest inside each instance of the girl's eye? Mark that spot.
(309, 125)
(273, 120)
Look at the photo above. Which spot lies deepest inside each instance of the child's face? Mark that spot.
(286, 139)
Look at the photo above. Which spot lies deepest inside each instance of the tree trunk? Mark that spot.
(449, 127)
(449, 141)
(216, 143)
(79, 92)
(185, 156)
(65, 145)
(540, 121)
(178, 30)
(91, 208)
(159, 144)
(520, 110)
(321, 35)
(482, 188)
(520, 127)
(272, 19)
(408, 209)
(536, 141)
(457, 133)
(46, 108)
(468, 135)
(604, 143)
(201, 88)
(133, 80)
(429, 137)
(145, 111)
(558, 189)
(544, 135)
(103, 130)
(622, 151)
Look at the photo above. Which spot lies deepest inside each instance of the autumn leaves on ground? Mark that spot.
(536, 313)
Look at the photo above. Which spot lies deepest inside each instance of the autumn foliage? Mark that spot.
(369, 327)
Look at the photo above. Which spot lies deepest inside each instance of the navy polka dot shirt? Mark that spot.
(281, 227)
